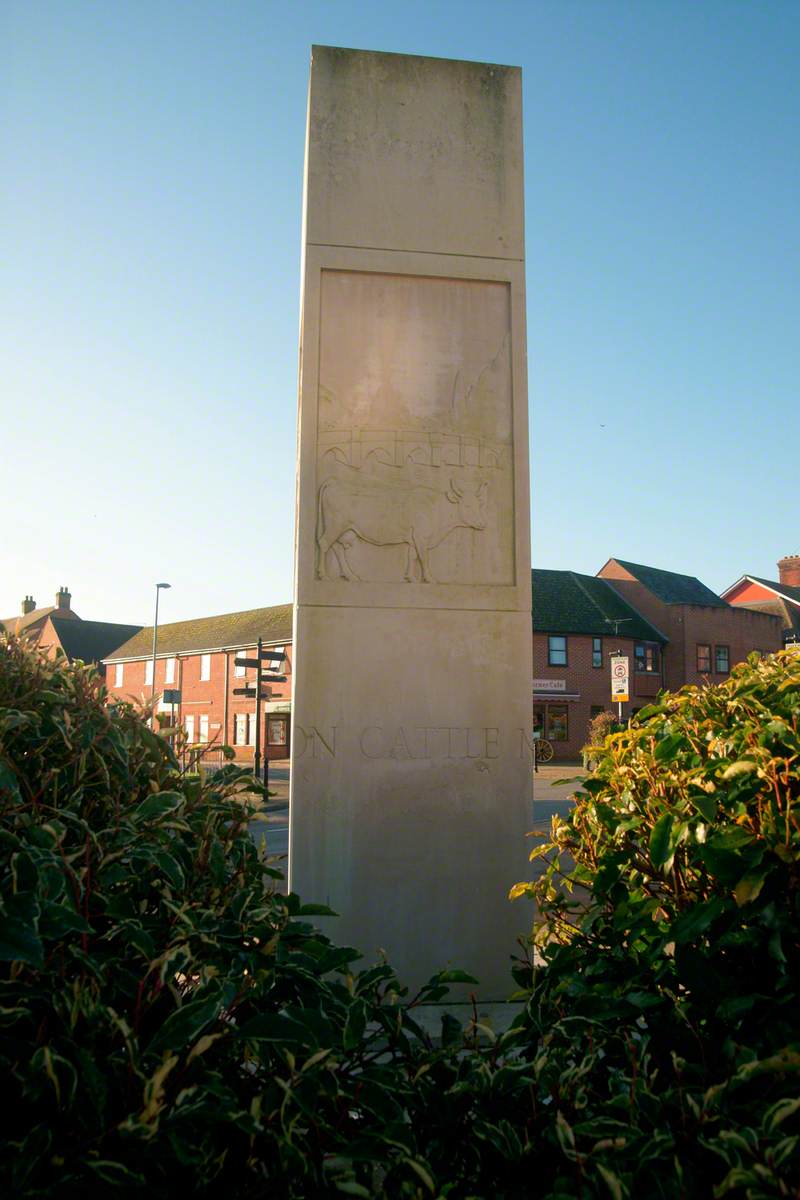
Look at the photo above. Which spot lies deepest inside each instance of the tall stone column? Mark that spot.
(411, 781)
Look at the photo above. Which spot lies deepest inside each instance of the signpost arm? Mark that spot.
(257, 753)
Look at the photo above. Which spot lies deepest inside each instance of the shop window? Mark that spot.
(557, 723)
(538, 721)
(119, 674)
(647, 657)
(277, 728)
(703, 659)
(205, 667)
(240, 729)
(597, 652)
(557, 651)
(722, 660)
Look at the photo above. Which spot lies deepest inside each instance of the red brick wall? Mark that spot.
(592, 684)
(205, 697)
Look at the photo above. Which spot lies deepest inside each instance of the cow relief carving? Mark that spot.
(392, 514)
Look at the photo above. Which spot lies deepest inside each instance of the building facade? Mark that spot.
(780, 597)
(57, 629)
(196, 659)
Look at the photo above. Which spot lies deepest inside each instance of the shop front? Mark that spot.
(555, 717)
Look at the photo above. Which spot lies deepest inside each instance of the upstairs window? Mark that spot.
(169, 677)
(597, 652)
(723, 660)
(647, 657)
(119, 674)
(148, 672)
(557, 651)
(239, 672)
(205, 667)
(703, 659)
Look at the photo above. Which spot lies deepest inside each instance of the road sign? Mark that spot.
(171, 696)
(245, 691)
(272, 656)
(267, 678)
(246, 662)
(620, 678)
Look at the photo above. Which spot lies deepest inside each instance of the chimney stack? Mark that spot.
(789, 569)
(63, 598)
(28, 605)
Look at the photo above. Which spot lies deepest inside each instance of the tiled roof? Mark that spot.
(566, 602)
(91, 641)
(672, 588)
(20, 622)
(211, 633)
(783, 589)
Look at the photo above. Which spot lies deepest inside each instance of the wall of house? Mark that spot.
(591, 685)
(206, 698)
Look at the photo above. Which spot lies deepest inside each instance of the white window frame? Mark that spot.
(251, 729)
(240, 729)
(169, 676)
(239, 672)
(148, 672)
(205, 668)
(119, 674)
(188, 724)
(202, 734)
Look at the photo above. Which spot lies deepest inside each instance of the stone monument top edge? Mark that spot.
(319, 49)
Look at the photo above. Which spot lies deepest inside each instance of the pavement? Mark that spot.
(551, 797)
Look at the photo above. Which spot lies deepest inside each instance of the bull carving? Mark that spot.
(415, 516)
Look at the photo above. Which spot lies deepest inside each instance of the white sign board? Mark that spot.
(549, 685)
(620, 678)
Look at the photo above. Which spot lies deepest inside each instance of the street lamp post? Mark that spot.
(159, 586)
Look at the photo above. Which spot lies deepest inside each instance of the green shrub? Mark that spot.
(169, 1020)
(669, 1009)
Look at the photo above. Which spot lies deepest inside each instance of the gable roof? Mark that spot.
(91, 641)
(566, 602)
(211, 633)
(782, 589)
(672, 588)
(22, 621)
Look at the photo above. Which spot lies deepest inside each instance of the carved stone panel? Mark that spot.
(414, 444)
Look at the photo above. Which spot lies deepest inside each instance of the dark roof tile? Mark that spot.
(91, 641)
(212, 633)
(566, 602)
(672, 588)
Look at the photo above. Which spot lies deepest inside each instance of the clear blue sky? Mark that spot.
(150, 191)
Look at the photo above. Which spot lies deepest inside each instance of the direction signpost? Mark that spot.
(255, 691)
(620, 681)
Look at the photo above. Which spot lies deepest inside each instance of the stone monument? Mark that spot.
(411, 780)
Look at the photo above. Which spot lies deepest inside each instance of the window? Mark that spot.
(240, 729)
(203, 729)
(557, 651)
(189, 727)
(251, 723)
(646, 655)
(557, 723)
(170, 671)
(703, 659)
(205, 667)
(277, 729)
(595, 710)
(275, 665)
(239, 672)
(148, 671)
(723, 660)
(119, 674)
(597, 652)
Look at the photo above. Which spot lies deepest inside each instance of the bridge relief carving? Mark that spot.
(395, 448)
(380, 513)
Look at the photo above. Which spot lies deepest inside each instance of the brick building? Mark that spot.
(705, 635)
(579, 621)
(781, 597)
(197, 658)
(58, 628)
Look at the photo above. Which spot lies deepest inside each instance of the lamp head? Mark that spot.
(163, 585)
